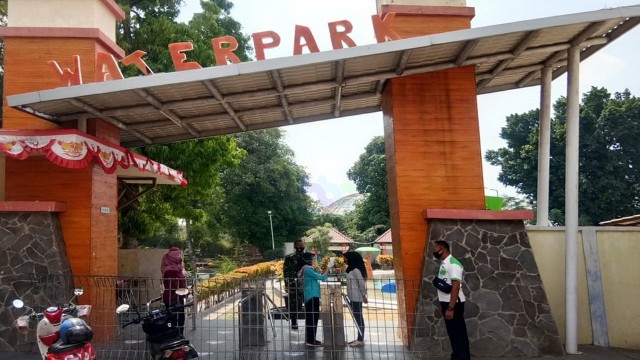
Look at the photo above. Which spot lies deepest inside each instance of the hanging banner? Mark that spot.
(74, 149)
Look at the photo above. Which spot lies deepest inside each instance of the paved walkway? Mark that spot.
(588, 353)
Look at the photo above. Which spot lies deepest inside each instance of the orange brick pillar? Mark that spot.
(39, 31)
(432, 144)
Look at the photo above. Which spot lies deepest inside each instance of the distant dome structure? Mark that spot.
(344, 205)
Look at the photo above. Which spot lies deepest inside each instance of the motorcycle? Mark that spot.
(163, 336)
(60, 333)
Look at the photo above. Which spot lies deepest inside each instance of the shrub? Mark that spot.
(340, 264)
(225, 265)
(386, 262)
(273, 254)
(219, 284)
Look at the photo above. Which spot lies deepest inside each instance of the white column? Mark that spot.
(571, 200)
(544, 145)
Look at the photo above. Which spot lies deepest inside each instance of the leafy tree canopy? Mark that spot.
(151, 25)
(267, 179)
(609, 156)
(369, 174)
(318, 238)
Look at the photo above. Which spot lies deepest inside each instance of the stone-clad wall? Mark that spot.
(32, 255)
(507, 311)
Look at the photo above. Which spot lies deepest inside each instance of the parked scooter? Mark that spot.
(163, 336)
(60, 333)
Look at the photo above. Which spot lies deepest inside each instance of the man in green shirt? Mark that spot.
(452, 304)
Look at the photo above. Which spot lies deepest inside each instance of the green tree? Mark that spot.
(369, 174)
(336, 220)
(609, 154)
(267, 179)
(317, 238)
(151, 25)
(200, 203)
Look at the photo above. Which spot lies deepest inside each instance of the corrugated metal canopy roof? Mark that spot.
(271, 93)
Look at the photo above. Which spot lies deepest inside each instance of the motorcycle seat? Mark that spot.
(174, 344)
(59, 347)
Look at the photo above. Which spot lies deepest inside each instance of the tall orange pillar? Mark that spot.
(39, 31)
(432, 143)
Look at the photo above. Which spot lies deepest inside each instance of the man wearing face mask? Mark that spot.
(292, 264)
(452, 304)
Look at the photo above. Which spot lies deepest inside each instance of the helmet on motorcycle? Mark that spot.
(75, 331)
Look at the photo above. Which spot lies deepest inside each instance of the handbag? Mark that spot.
(442, 285)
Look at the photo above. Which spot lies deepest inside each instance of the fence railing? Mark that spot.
(249, 320)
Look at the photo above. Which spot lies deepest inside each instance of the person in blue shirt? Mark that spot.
(312, 298)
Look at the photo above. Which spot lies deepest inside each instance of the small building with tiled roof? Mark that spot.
(339, 241)
(384, 240)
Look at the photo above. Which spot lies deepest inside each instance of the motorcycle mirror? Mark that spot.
(122, 308)
(78, 291)
(18, 304)
(182, 292)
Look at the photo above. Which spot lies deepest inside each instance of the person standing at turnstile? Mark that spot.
(356, 291)
(295, 297)
(310, 278)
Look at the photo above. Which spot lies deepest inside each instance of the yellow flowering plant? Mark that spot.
(339, 266)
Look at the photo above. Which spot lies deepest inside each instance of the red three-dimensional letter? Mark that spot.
(259, 43)
(382, 27)
(107, 67)
(225, 54)
(136, 59)
(310, 41)
(177, 55)
(68, 77)
(341, 37)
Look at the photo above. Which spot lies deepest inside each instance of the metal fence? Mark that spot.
(246, 320)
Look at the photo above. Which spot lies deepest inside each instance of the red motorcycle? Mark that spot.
(61, 333)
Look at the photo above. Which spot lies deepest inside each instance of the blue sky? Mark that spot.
(329, 148)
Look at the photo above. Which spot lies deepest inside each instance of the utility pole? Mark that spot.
(273, 243)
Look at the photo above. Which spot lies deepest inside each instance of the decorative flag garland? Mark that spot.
(74, 149)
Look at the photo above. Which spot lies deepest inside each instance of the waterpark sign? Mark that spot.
(107, 67)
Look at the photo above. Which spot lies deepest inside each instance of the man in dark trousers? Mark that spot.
(452, 304)
(292, 264)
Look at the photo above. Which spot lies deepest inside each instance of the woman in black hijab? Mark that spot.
(356, 291)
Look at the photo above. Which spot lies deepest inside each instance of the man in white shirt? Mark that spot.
(452, 304)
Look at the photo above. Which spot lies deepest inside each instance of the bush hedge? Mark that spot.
(386, 262)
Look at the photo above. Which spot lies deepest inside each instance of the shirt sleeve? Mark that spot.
(455, 272)
(362, 284)
(311, 273)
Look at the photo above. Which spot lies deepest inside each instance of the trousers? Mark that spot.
(457, 331)
(357, 314)
(312, 316)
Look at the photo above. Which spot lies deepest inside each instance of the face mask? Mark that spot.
(299, 250)
(437, 255)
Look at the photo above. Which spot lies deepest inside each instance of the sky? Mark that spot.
(327, 149)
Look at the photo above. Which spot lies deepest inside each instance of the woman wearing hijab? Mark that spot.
(173, 278)
(356, 291)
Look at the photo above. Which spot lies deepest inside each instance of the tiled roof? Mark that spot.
(384, 238)
(633, 220)
(339, 238)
